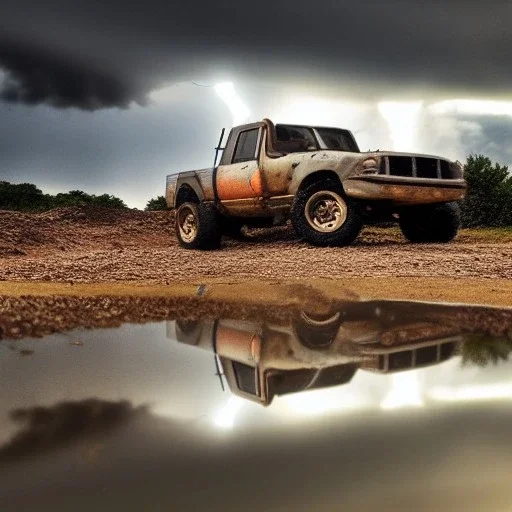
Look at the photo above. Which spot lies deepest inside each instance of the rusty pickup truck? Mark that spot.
(319, 179)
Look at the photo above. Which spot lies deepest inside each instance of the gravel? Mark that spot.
(99, 245)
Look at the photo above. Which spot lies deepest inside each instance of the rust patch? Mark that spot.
(256, 183)
(239, 187)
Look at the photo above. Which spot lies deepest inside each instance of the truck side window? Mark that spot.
(246, 378)
(246, 146)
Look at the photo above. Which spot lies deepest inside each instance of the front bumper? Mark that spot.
(404, 190)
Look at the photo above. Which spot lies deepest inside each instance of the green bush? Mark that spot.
(25, 197)
(157, 203)
(80, 198)
(489, 196)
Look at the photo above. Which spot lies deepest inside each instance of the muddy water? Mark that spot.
(353, 406)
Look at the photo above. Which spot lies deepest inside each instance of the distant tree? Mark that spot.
(26, 197)
(489, 194)
(22, 197)
(80, 198)
(108, 201)
(157, 203)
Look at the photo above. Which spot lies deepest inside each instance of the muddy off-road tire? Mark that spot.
(198, 226)
(322, 215)
(430, 224)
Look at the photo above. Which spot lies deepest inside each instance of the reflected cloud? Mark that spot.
(225, 418)
(472, 393)
(48, 428)
(405, 392)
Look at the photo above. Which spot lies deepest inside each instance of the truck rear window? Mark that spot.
(246, 378)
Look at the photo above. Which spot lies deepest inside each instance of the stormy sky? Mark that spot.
(108, 96)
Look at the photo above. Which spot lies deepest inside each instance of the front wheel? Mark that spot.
(430, 224)
(322, 215)
(198, 226)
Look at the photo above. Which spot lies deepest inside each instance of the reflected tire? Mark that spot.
(316, 331)
(198, 226)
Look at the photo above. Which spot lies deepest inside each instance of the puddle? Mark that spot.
(315, 406)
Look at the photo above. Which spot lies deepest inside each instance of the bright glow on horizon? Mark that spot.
(472, 107)
(321, 112)
(320, 402)
(472, 393)
(227, 93)
(405, 392)
(225, 418)
(402, 119)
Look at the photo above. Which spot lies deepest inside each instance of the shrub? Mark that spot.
(157, 203)
(22, 197)
(489, 196)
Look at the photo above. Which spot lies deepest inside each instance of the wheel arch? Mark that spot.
(318, 176)
(188, 193)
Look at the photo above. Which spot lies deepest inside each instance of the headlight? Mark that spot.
(370, 166)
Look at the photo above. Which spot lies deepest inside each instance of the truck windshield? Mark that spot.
(334, 138)
(294, 139)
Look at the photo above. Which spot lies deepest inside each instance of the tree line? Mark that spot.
(26, 197)
(488, 202)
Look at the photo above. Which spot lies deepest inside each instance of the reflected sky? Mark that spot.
(147, 365)
(417, 438)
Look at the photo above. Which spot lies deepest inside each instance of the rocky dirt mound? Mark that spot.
(101, 245)
(74, 228)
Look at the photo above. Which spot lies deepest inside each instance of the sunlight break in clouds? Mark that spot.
(227, 93)
(402, 119)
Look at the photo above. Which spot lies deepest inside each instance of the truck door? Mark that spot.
(239, 183)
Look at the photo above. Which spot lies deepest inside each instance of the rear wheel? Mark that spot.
(198, 226)
(322, 215)
(430, 224)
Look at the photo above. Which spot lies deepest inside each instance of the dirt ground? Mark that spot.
(73, 246)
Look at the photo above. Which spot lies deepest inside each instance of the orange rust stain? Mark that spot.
(257, 183)
(238, 344)
(239, 187)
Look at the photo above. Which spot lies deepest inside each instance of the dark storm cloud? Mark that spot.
(36, 75)
(95, 54)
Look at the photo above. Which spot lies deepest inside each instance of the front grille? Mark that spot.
(400, 360)
(426, 355)
(426, 167)
(400, 166)
(416, 167)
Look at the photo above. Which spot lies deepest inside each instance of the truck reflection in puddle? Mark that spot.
(260, 360)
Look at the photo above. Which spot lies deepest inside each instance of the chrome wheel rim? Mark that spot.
(187, 224)
(326, 211)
